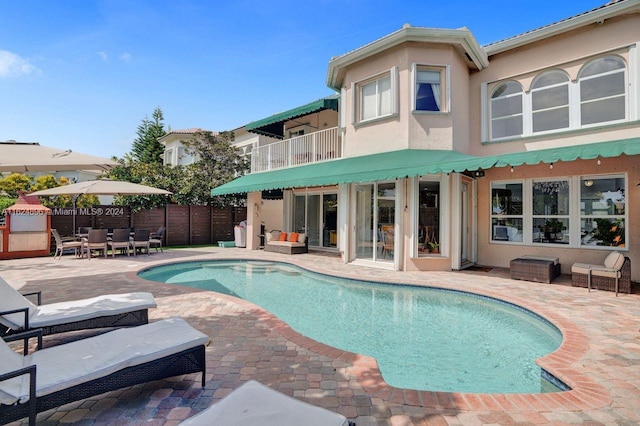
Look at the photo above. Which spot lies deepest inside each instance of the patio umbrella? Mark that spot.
(100, 187)
(20, 157)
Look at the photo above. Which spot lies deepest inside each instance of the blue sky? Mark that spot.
(82, 74)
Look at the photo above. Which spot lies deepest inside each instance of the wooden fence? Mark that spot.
(185, 225)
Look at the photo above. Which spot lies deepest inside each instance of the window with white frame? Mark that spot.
(168, 156)
(376, 97)
(507, 216)
(555, 103)
(602, 211)
(507, 110)
(550, 102)
(603, 91)
(550, 209)
(430, 88)
(580, 212)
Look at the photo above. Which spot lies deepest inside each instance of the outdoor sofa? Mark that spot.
(254, 404)
(17, 313)
(286, 242)
(58, 375)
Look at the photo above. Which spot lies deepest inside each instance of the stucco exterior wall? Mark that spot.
(500, 254)
(406, 129)
(568, 52)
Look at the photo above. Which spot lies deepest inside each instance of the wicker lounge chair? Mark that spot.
(96, 241)
(613, 275)
(155, 238)
(256, 404)
(17, 313)
(92, 366)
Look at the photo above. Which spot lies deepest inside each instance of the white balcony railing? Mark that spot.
(311, 148)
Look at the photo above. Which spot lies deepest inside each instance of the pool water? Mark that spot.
(422, 338)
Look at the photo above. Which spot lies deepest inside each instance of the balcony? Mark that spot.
(311, 148)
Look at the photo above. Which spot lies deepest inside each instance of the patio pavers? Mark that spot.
(600, 356)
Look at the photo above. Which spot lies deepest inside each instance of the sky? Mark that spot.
(83, 74)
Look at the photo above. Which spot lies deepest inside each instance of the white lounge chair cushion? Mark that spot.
(61, 367)
(10, 361)
(11, 299)
(254, 404)
(79, 310)
(615, 260)
(597, 270)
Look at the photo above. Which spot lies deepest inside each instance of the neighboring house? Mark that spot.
(453, 154)
(175, 152)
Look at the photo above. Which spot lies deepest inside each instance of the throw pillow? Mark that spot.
(293, 237)
(283, 236)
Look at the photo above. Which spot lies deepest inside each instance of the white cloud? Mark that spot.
(12, 65)
(126, 56)
(104, 56)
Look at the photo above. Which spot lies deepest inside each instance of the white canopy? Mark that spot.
(20, 157)
(102, 187)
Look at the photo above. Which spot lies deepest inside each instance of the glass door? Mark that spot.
(365, 239)
(313, 219)
(330, 220)
(375, 221)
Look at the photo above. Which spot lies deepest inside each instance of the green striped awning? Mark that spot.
(368, 168)
(412, 162)
(274, 125)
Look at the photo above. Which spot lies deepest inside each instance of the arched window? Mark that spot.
(602, 91)
(506, 111)
(550, 101)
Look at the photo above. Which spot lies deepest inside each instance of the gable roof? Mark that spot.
(461, 39)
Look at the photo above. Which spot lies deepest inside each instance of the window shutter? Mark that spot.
(414, 83)
(343, 109)
(355, 101)
(394, 90)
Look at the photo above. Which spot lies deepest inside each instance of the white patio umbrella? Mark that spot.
(100, 187)
(23, 157)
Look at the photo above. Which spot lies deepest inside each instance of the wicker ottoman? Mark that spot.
(538, 269)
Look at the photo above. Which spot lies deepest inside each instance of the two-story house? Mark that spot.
(454, 154)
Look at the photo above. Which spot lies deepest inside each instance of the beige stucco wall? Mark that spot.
(500, 254)
(567, 52)
(408, 130)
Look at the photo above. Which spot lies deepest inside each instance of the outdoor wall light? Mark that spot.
(588, 183)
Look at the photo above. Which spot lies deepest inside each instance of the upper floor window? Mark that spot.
(555, 103)
(376, 97)
(550, 101)
(168, 156)
(602, 91)
(506, 110)
(429, 88)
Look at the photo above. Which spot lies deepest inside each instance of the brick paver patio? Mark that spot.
(599, 358)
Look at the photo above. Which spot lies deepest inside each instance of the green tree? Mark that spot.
(218, 162)
(14, 183)
(146, 147)
(49, 181)
(151, 174)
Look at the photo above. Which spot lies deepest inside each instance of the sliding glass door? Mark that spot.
(316, 214)
(375, 221)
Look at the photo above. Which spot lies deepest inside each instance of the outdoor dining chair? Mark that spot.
(120, 240)
(140, 240)
(64, 243)
(155, 239)
(97, 240)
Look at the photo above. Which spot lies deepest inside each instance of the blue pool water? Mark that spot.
(423, 338)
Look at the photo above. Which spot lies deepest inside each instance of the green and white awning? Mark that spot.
(412, 162)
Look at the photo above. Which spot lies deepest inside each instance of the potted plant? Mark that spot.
(434, 247)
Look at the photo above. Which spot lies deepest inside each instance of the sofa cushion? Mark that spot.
(302, 238)
(293, 237)
(615, 260)
(283, 236)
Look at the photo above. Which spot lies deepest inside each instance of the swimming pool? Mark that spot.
(422, 338)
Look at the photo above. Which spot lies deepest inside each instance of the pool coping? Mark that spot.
(563, 363)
